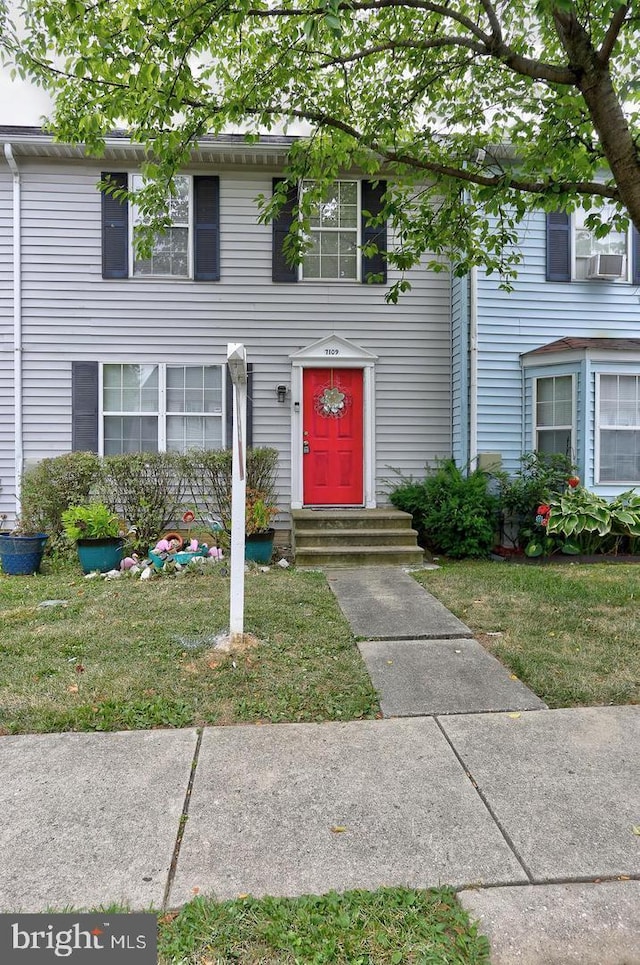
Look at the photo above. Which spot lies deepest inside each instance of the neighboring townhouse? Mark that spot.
(553, 365)
(101, 350)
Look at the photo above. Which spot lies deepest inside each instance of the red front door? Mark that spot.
(332, 437)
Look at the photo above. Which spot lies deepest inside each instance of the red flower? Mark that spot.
(543, 510)
(188, 517)
(573, 481)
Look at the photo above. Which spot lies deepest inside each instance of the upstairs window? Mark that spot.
(554, 415)
(334, 235)
(590, 252)
(190, 246)
(345, 246)
(152, 408)
(575, 253)
(618, 428)
(170, 253)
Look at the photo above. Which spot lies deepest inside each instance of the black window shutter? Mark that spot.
(372, 203)
(281, 270)
(635, 256)
(229, 412)
(115, 230)
(558, 246)
(206, 222)
(84, 406)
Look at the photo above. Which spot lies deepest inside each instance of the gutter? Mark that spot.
(17, 323)
(473, 367)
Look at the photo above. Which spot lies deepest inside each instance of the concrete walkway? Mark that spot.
(531, 813)
(421, 659)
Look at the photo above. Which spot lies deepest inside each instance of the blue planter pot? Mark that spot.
(22, 555)
(259, 547)
(100, 554)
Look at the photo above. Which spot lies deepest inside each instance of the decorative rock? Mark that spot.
(265, 569)
(113, 575)
(135, 569)
(92, 576)
(284, 564)
(146, 573)
(47, 603)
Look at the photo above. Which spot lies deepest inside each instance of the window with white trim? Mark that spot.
(554, 415)
(587, 246)
(151, 408)
(618, 426)
(170, 254)
(335, 235)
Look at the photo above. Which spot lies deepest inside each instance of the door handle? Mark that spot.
(306, 449)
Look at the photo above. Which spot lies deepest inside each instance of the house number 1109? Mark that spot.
(332, 351)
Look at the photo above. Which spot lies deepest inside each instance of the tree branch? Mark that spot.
(490, 45)
(609, 42)
(496, 29)
(408, 45)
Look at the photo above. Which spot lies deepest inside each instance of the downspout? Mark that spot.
(17, 322)
(473, 367)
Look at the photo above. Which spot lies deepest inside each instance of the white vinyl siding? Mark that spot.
(618, 428)
(555, 415)
(147, 408)
(71, 313)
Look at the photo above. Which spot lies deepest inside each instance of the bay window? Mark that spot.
(618, 428)
(554, 415)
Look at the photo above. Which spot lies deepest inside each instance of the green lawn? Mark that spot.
(128, 654)
(384, 927)
(571, 632)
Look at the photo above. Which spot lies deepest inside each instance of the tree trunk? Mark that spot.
(595, 84)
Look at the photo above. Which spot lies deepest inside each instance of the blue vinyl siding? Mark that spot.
(535, 313)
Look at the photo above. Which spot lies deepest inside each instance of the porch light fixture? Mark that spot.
(281, 392)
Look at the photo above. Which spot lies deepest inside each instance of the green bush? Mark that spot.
(208, 479)
(51, 487)
(540, 476)
(454, 514)
(145, 488)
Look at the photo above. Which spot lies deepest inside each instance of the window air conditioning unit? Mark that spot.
(607, 266)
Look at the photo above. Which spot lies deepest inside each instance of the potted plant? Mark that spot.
(96, 532)
(21, 550)
(259, 512)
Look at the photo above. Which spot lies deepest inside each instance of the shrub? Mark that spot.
(146, 489)
(540, 476)
(208, 475)
(454, 514)
(51, 487)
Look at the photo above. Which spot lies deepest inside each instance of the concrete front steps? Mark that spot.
(354, 537)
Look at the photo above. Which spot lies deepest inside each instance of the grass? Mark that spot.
(570, 632)
(384, 927)
(126, 654)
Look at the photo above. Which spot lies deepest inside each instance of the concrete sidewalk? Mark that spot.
(505, 805)
(532, 813)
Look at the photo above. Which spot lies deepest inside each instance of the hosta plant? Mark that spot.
(594, 524)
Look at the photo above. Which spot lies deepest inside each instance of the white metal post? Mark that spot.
(237, 361)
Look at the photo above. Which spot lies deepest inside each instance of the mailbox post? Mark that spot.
(237, 362)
